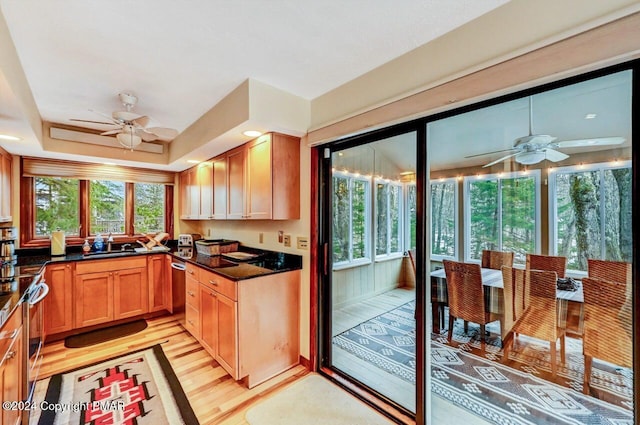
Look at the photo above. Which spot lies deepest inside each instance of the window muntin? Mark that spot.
(351, 199)
(57, 205)
(501, 213)
(444, 219)
(107, 204)
(591, 210)
(388, 218)
(149, 207)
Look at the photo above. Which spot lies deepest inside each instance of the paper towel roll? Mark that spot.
(57, 243)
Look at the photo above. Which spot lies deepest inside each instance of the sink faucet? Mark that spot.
(124, 247)
(109, 242)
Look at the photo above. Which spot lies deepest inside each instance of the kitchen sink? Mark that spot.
(109, 254)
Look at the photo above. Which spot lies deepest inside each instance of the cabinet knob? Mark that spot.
(213, 282)
(213, 294)
(191, 293)
(191, 322)
(11, 354)
(190, 271)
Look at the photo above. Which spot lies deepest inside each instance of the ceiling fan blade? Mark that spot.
(110, 132)
(125, 116)
(489, 153)
(92, 122)
(146, 136)
(499, 160)
(163, 133)
(105, 116)
(603, 141)
(142, 121)
(555, 156)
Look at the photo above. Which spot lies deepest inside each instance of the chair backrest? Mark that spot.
(412, 258)
(513, 297)
(613, 271)
(496, 259)
(607, 321)
(547, 262)
(464, 290)
(539, 318)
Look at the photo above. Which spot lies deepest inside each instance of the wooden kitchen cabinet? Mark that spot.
(5, 187)
(209, 319)
(227, 354)
(189, 194)
(109, 290)
(220, 187)
(58, 305)
(12, 356)
(263, 179)
(192, 300)
(160, 290)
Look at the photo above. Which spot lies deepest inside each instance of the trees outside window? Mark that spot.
(56, 205)
(388, 214)
(444, 198)
(107, 207)
(149, 204)
(351, 197)
(592, 210)
(501, 214)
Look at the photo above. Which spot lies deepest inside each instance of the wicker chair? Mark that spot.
(547, 262)
(513, 290)
(539, 318)
(607, 325)
(613, 271)
(466, 296)
(496, 259)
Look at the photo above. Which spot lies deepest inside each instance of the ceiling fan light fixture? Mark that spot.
(530, 158)
(129, 140)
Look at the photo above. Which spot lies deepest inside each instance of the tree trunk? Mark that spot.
(623, 179)
(583, 197)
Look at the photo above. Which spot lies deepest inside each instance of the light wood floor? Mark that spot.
(214, 396)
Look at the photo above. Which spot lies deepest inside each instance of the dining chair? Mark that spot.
(513, 299)
(466, 296)
(607, 325)
(613, 271)
(551, 263)
(496, 259)
(539, 317)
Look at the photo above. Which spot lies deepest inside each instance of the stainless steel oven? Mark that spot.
(36, 293)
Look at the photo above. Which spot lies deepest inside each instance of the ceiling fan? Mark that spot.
(132, 128)
(534, 148)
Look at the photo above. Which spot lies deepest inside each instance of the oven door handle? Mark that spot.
(44, 292)
(178, 266)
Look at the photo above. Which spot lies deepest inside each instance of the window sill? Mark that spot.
(394, 256)
(352, 264)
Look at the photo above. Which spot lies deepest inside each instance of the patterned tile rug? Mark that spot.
(476, 380)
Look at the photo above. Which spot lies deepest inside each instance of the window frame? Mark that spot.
(499, 177)
(601, 167)
(401, 219)
(28, 238)
(351, 262)
(456, 221)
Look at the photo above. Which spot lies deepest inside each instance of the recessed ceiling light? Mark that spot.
(7, 137)
(109, 163)
(252, 133)
(193, 161)
(590, 116)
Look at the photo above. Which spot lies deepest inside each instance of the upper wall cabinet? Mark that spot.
(259, 180)
(263, 179)
(5, 187)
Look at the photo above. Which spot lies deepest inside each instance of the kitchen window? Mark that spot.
(56, 205)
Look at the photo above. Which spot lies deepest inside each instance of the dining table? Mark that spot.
(570, 303)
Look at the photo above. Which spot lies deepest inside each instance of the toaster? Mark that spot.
(187, 239)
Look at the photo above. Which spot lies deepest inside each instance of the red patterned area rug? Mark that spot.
(137, 388)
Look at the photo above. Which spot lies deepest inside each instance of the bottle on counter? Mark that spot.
(98, 243)
(86, 247)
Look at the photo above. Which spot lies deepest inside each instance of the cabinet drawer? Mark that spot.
(193, 293)
(10, 331)
(192, 271)
(221, 285)
(108, 265)
(192, 321)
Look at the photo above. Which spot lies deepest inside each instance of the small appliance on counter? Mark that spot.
(58, 246)
(187, 239)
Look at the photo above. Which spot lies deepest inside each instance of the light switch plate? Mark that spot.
(287, 240)
(303, 243)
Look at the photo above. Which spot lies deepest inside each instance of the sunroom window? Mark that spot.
(444, 216)
(388, 218)
(351, 199)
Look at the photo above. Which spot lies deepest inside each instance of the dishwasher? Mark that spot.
(178, 287)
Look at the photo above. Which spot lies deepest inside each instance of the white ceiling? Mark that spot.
(182, 58)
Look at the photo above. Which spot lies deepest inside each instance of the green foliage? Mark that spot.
(106, 200)
(149, 208)
(57, 205)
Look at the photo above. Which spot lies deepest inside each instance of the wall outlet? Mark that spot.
(303, 242)
(287, 240)
(261, 237)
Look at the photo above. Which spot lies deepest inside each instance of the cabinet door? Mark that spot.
(235, 183)
(185, 195)
(93, 299)
(259, 187)
(205, 183)
(58, 305)
(220, 188)
(209, 319)
(5, 190)
(130, 293)
(158, 278)
(11, 378)
(228, 335)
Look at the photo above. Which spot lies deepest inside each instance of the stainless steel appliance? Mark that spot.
(7, 251)
(36, 293)
(187, 239)
(178, 287)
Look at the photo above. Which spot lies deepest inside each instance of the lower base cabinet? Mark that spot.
(250, 326)
(11, 367)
